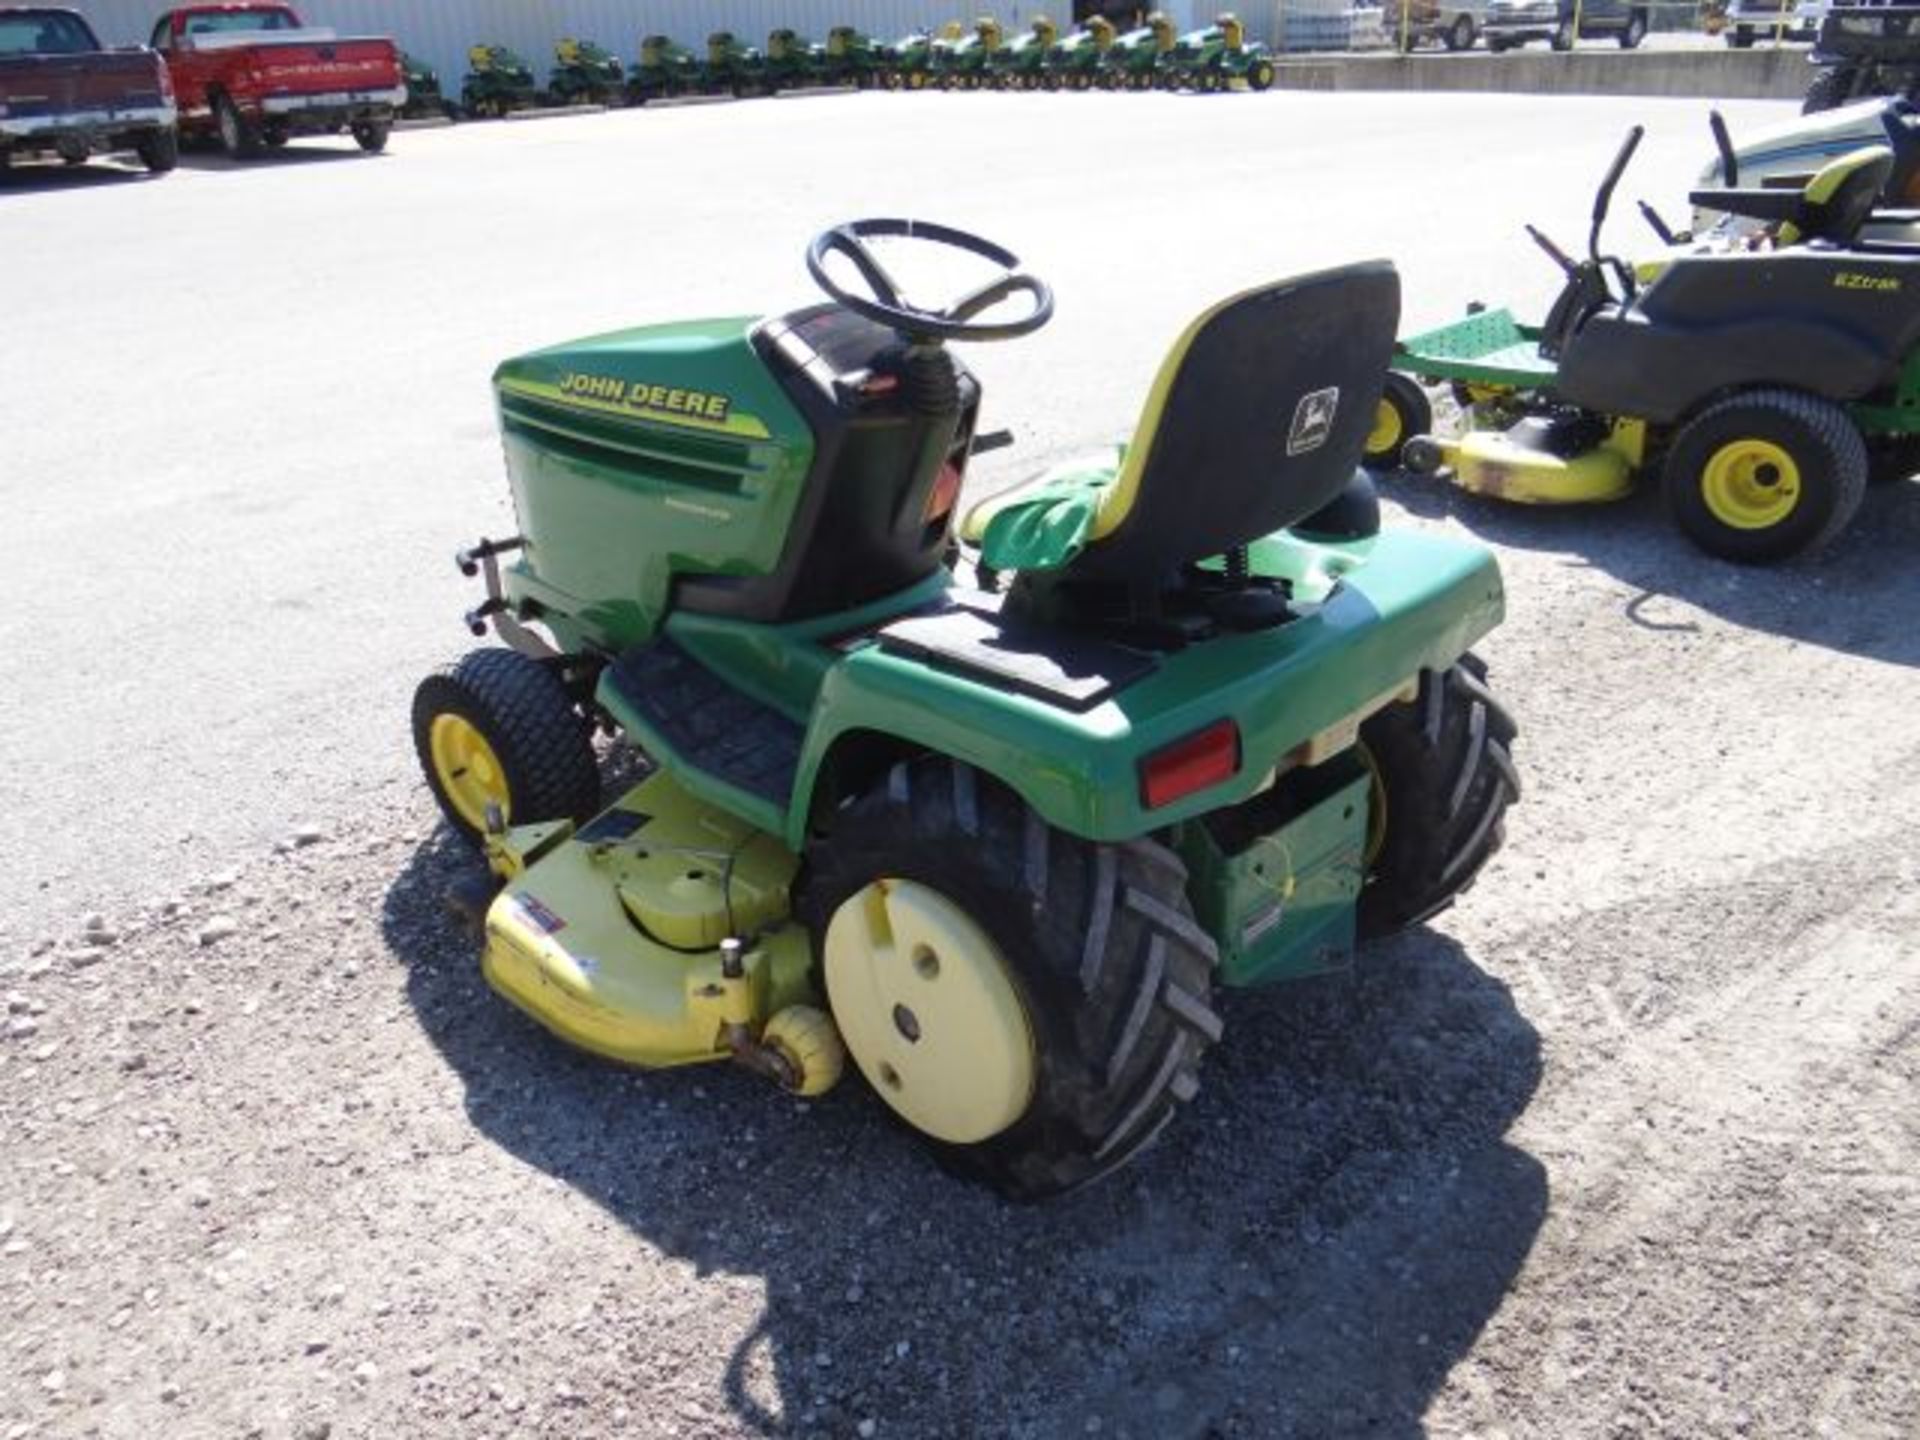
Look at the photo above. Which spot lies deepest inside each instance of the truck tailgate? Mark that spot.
(301, 65)
(32, 85)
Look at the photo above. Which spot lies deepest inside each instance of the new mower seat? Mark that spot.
(1834, 206)
(1256, 419)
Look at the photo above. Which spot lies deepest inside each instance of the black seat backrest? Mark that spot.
(1257, 419)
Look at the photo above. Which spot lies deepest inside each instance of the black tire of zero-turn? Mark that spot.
(543, 742)
(1564, 38)
(1445, 763)
(1831, 86)
(371, 135)
(1260, 75)
(159, 150)
(1115, 973)
(1635, 32)
(1460, 34)
(239, 136)
(1408, 399)
(1740, 37)
(1825, 444)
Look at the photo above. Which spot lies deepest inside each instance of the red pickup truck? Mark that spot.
(253, 75)
(62, 94)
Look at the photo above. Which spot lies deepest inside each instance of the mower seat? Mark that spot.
(1834, 206)
(1256, 419)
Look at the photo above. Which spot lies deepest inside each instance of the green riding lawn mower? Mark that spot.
(1217, 58)
(911, 62)
(586, 74)
(793, 61)
(1135, 60)
(1074, 63)
(993, 819)
(663, 71)
(424, 97)
(497, 82)
(852, 58)
(732, 67)
(1761, 377)
(1021, 64)
(966, 63)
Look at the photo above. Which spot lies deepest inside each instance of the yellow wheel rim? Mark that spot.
(1387, 429)
(929, 1012)
(1750, 484)
(1376, 808)
(469, 772)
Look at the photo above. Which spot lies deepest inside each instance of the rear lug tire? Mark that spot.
(1097, 942)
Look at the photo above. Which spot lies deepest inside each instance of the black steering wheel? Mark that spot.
(886, 306)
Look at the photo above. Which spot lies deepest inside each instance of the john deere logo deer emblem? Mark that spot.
(1313, 420)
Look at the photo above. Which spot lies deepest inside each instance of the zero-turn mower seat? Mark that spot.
(1256, 419)
(1834, 205)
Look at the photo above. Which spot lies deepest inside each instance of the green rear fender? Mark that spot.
(1402, 603)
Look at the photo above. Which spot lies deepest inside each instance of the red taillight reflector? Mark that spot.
(1204, 758)
(946, 490)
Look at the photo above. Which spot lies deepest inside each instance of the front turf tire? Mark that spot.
(1112, 972)
(371, 135)
(1404, 412)
(537, 762)
(1764, 475)
(1443, 777)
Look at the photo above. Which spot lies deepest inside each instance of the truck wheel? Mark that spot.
(1460, 33)
(1765, 475)
(1442, 779)
(1635, 32)
(159, 150)
(1829, 88)
(239, 136)
(1564, 37)
(1034, 1005)
(1404, 412)
(500, 729)
(371, 135)
(1496, 45)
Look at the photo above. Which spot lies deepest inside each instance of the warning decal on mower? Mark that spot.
(539, 915)
(1313, 420)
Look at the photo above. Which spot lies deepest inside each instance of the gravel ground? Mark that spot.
(1625, 1144)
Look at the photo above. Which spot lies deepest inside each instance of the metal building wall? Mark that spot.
(439, 31)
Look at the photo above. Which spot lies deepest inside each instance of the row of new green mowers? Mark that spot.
(982, 56)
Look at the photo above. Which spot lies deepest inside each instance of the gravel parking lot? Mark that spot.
(1625, 1144)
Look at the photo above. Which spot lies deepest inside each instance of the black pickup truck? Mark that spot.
(63, 94)
(1865, 49)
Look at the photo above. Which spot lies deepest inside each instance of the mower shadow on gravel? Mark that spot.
(1313, 1247)
(1855, 596)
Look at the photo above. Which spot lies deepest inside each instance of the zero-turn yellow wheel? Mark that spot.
(1750, 484)
(1403, 412)
(1763, 475)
